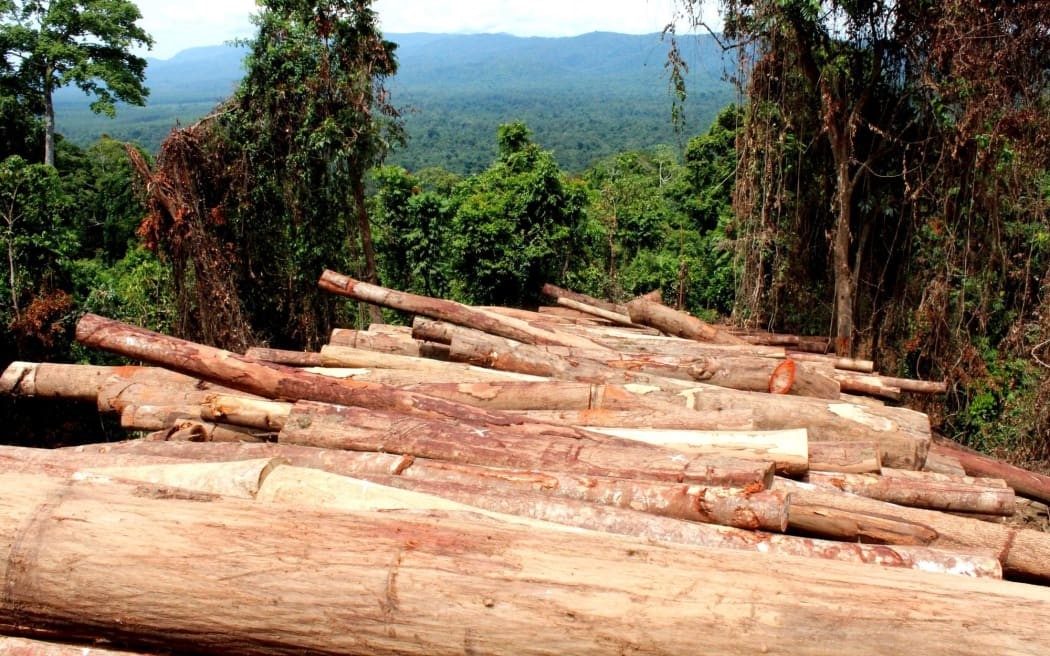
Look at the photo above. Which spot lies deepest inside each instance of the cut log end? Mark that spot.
(783, 378)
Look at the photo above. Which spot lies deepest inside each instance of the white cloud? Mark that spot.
(185, 24)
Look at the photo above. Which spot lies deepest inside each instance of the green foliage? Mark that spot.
(412, 231)
(85, 44)
(38, 245)
(136, 289)
(515, 226)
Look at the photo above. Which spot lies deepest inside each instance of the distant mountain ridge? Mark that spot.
(585, 97)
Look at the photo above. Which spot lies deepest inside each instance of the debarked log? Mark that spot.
(425, 582)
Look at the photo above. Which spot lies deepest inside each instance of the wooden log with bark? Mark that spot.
(618, 318)
(1024, 553)
(861, 457)
(845, 364)
(679, 324)
(13, 646)
(1029, 484)
(46, 380)
(450, 311)
(903, 435)
(673, 501)
(788, 449)
(558, 293)
(400, 344)
(271, 380)
(922, 493)
(532, 446)
(325, 570)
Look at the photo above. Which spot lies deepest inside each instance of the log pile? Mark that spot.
(578, 480)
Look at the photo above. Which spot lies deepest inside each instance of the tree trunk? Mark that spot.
(849, 457)
(398, 345)
(83, 560)
(711, 505)
(49, 117)
(679, 324)
(1026, 483)
(72, 382)
(26, 647)
(271, 381)
(450, 311)
(364, 229)
(558, 293)
(535, 447)
(922, 493)
(614, 317)
(903, 435)
(1024, 553)
(844, 283)
(788, 449)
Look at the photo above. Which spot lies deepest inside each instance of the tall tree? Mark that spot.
(84, 43)
(516, 226)
(272, 184)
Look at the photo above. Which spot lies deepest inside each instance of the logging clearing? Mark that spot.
(621, 474)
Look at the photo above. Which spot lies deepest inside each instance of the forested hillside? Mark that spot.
(585, 97)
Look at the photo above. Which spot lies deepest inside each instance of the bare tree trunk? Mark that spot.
(364, 228)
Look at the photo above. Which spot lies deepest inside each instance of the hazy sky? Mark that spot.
(184, 24)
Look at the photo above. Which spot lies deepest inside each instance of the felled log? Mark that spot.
(345, 463)
(922, 493)
(492, 352)
(539, 447)
(713, 505)
(410, 377)
(663, 499)
(26, 647)
(285, 357)
(870, 385)
(847, 525)
(250, 413)
(156, 417)
(142, 386)
(190, 430)
(1026, 483)
(674, 418)
(756, 374)
(1024, 553)
(630, 341)
(925, 475)
(445, 310)
(619, 318)
(804, 343)
(845, 364)
(851, 381)
(788, 449)
(400, 344)
(558, 293)
(903, 435)
(853, 457)
(679, 324)
(269, 380)
(240, 479)
(44, 380)
(299, 486)
(403, 582)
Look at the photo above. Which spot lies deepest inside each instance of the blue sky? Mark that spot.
(185, 24)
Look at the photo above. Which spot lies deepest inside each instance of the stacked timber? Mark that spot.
(488, 474)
